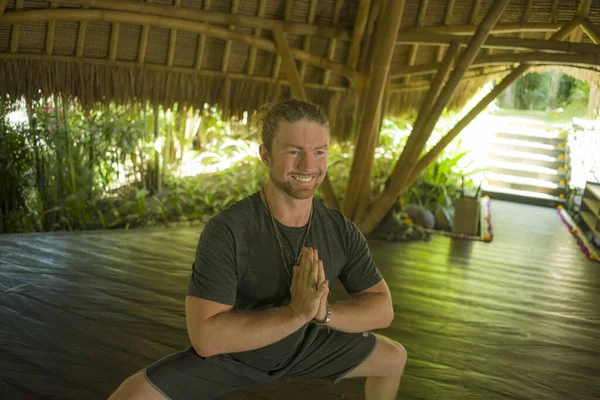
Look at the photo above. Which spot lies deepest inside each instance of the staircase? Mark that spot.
(525, 162)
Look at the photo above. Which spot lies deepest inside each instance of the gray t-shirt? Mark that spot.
(238, 263)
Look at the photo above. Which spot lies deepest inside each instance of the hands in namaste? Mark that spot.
(309, 289)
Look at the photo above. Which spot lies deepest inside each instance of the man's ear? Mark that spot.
(264, 154)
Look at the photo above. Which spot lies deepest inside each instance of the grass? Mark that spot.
(578, 110)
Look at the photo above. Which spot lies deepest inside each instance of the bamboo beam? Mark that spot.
(308, 39)
(500, 28)
(2, 6)
(289, 64)
(201, 43)
(526, 14)
(466, 120)
(15, 32)
(472, 74)
(553, 12)
(168, 23)
(212, 17)
(387, 198)
(591, 30)
(414, 48)
(475, 12)
(332, 42)
(366, 52)
(172, 40)
(429, 102)
(227, 50)
(358, 33)
(362, 164)
(143, 44)
(406, 163)
(262, 5)
(81, 38)
(538, 58)
(582, 12)
(505, 43)
(114, 41)
(50, 32)
(277, 62)
(447, 22)
(163, 68)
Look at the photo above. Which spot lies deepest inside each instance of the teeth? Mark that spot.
(302, 179)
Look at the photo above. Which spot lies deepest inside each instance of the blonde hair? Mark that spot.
(292, 110)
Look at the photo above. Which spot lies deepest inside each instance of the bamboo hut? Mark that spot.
(354, 57)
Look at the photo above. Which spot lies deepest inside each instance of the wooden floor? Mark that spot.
(518, 318)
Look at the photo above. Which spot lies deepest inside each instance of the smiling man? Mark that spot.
(257, 305)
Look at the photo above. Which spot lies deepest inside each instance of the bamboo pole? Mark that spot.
(447, 22)
(471, 74)
(366, 49)
(308, 39)
(332, 42)
(428, 103)
(505, 43)
(414, 48)
(474, 112)
(386, 199)
(227, 50)
(525, 19)
(257, 31)
(500, 28)
(406, 164)
(172, 40)
(143, 44)
(475, 12)
(164, 68)
(201, 43)
(553, 13)
(114, 41)
(169, 23)
(582, 11)
(15, 32)
(277, 61)
(50, 32)
(2, 6)
(591, 30)
(213, 17)
(358, 33)
(81, 32)
(289, 64)
(536, 57)
(362, 164)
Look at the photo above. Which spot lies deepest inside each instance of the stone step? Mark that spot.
(525, 184)
(527, 146)
(538, 136)
(522, 196)
(522, 157)
(526, 170)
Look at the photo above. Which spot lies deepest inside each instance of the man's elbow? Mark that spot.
(203, 349)
(387, 315)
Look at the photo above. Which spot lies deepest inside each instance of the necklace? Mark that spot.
(282, 247)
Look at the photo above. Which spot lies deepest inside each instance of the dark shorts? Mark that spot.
(330, 355)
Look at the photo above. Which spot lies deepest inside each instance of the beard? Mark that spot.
(298, 193)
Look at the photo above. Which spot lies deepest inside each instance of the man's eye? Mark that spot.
(294, 152)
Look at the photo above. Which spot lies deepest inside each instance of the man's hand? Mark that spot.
(322, 312)
(306, 290)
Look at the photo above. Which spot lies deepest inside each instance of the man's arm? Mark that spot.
(367, 310)
(213, 328)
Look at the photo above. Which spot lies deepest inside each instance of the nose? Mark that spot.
(306, 162)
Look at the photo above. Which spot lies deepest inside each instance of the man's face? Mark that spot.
(298, 159)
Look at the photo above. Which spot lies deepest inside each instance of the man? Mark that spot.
(257, 307)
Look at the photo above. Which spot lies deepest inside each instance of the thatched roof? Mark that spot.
(223, 51)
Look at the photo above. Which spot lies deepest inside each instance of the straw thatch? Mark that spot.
(223, 51)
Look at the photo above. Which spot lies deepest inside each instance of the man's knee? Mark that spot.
(136, 387)
(400, 356)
